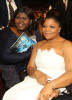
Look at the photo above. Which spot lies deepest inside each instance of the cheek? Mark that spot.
(55, 31)
(43, 30)
(16, 21)
(27, 23)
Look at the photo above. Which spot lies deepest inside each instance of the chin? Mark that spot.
(48, 38)
(20, 29)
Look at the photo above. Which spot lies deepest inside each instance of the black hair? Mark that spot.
(55, 14)
(30, 14)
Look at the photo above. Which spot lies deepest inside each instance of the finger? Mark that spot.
(38, 98)
(56, 93)
(49, 99)
(52, 96)
(46, 97)
(48, 76)
(41, 98)
(32, 45)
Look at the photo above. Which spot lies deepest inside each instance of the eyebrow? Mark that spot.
(52, 24)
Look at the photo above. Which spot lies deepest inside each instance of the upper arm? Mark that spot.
(32, 59)
(68, 55)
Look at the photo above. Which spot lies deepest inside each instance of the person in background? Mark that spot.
(7, 8)
(65, 8)
(39, 24)
(12, 63)
(50, 65)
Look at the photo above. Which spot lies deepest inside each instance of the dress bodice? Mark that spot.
(50, 63)
(46, 61)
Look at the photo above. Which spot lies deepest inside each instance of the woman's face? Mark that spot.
(22, 21)
(51, 29)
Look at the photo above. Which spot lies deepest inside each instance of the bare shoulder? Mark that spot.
(40, 43)
(67, 52)
(67, 45)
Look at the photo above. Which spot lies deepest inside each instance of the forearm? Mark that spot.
(31, 71)
(61, 82)
(64, 80)
(9, 57)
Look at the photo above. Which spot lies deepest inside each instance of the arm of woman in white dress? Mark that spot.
(32, 69)
(65, 79)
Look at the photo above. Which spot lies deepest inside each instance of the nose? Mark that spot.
(47, 29)
(20, 20)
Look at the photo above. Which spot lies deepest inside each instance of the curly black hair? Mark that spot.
(30, 14)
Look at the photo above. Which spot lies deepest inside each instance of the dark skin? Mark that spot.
(63, 48)
(22, 22)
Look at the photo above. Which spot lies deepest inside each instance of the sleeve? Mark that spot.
(9, 57)
(0, 13)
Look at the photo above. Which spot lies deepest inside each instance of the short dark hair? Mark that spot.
(55, 14)
(30, 14)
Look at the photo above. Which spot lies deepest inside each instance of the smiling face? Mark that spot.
(22, 21)
(51, 29)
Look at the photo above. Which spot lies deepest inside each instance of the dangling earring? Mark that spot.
(59, 30)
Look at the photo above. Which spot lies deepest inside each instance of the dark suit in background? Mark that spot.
(66, 17)
(66, 20)
(4, 12)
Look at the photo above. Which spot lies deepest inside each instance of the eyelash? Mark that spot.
(44, 26)
(19, 18)
(50, 26)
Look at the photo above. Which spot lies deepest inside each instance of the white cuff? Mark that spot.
(63, 90)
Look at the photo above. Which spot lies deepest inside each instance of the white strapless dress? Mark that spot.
(46, 61)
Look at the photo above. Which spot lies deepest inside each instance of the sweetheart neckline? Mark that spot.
(52, 49)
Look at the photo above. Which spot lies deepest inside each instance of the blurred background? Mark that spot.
(36, 4)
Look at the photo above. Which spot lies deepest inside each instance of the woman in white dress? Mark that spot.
(50, 65)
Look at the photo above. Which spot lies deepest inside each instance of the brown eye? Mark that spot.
(17, 17)
(44, 26)
(24, 18)
(52, 26)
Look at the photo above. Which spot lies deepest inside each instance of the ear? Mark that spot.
(30, 22)
(59, 29)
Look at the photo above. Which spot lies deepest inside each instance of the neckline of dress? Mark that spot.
(52, 49)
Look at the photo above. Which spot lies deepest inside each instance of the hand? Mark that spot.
(47, 92)
(54, 94)
(3, 27)
(41, 77)
(32, 46)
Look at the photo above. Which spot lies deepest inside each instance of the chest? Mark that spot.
(58, 47)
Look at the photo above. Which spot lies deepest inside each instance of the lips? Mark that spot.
(47, 34)
(20, 25)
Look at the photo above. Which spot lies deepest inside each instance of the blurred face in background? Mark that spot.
(39, 15)
(51, 29)
(22, 21)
